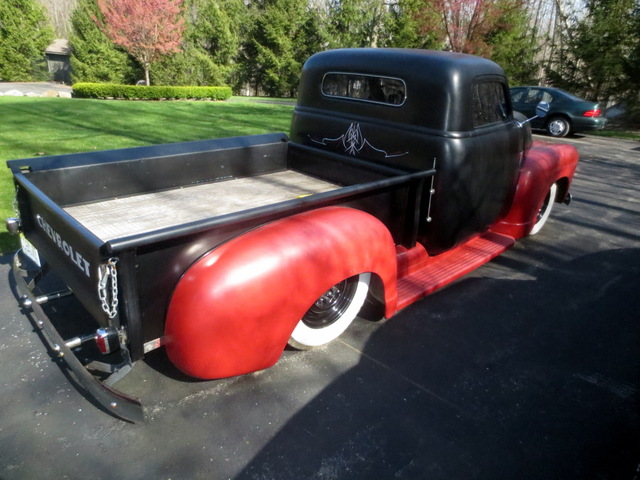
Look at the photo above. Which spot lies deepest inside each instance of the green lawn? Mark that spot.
(50, 126)
(624, 134)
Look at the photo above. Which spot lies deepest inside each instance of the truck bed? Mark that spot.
(120, 217)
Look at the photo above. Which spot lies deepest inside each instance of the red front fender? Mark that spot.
(233, 310)
(544, 165)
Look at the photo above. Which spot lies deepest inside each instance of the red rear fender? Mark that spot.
(233, 310)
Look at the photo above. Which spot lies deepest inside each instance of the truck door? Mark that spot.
(477, 175)
(499, 144)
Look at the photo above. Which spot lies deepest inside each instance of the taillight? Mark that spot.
(592, 113)
(13, 225)
(107, 340)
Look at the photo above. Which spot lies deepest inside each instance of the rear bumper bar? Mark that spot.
(116, 403)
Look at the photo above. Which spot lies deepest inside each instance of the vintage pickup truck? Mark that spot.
(403, 171)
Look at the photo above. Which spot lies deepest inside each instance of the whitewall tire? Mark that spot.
(545, 210)
(332, 313)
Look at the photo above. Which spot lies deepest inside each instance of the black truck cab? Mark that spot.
(412, 110)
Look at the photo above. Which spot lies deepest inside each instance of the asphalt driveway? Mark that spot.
(527, 368)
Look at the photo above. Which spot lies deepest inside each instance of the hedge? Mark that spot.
(143, 92)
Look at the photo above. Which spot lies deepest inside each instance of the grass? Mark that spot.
(50, 126)
(624, 134)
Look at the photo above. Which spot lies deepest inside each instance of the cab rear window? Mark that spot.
(366, 88)
(489, 103)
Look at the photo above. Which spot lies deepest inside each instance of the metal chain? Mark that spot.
(14, 204)
(109, 275)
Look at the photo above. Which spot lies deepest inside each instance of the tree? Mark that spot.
(632, 71)
(595, 57)
(59, 13)
(283, 35)
(147, 29)
(513, 46)
(359, 23)
(465, 25)
(211, 42)
(404, 27)
(94, 58)
(24, 35)
(216, 26)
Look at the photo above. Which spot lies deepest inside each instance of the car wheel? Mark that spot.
(332, 313)
(545, 210)
(558, 127)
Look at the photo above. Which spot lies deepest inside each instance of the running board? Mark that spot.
(419, 275)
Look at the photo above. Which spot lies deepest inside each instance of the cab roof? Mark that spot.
(438, 84)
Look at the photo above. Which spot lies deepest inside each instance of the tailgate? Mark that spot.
(69, 248)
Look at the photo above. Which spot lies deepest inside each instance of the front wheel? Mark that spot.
(332, 313)
(558, 127)
(545, 210)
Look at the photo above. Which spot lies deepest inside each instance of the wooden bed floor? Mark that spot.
(121, 217)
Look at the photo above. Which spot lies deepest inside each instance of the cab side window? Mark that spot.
(489, 103)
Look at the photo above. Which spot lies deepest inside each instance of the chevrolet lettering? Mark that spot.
(63, 245)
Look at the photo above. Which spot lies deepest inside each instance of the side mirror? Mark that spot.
(542, 110)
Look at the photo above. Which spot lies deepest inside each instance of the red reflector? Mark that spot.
(107, 340)
(592, 113)
(103, 346)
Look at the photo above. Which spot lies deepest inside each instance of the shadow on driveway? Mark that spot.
(542, 385)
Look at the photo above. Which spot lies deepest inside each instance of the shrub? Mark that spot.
(192, 66)
(143, 92)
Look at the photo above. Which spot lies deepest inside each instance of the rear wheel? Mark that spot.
(545, 210)
(332, 313)
(558, 127)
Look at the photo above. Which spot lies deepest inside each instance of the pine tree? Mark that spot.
(360, 23)
(284, 34)
(210, 44)
(513, 45)
(215, 26)
(597, 51)
(94, 58)
(24, 35)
